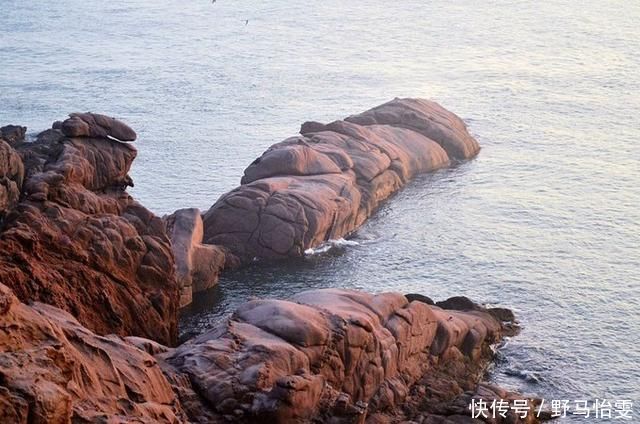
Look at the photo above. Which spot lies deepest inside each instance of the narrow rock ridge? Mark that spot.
(324, 183)
(335, 356)
(72, 237)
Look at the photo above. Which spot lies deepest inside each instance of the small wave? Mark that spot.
(526, 375)
(329, 245)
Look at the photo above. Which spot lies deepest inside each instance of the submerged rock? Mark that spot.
(71, 236)
(325, 183)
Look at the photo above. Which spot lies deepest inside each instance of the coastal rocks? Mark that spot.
(335, 356)
(13, 134)
(78, 241)
(427, 118)
(53, 370)
(96, 125)
(197, 265)
(325, 183)
(11, 177)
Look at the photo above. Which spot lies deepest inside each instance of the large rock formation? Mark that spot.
(197, 265)
(53, 370)
(75, 239)
(326, 182)
(333, 356)
(337, 356)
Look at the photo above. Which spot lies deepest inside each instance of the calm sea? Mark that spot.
(546, 220)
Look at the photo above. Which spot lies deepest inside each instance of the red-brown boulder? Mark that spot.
(96, 125)
(197, 265)
(325, 183)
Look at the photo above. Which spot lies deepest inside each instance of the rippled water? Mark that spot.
(545, 220)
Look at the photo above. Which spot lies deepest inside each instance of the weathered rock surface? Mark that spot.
(13, 134)
(325, 183)
(11, 177)
(97, 126)
(197, 265)
(53, 370)
(427, 118)
(334, 356)
(71, 236)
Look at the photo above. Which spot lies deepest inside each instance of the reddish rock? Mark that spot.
(333, 356)
(78, 241)
(197, 265)
(97, 126)
(325, 183)
(53, 370)
(11, 177)
(427, 118)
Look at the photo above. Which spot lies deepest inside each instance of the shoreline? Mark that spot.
(72, 238)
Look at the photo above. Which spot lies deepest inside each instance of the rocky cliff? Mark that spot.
(70, 235)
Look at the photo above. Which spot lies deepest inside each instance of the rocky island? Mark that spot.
(91, 284)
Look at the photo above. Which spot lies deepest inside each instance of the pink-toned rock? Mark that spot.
(197, 265)
(325, 183)
(53, 370)
(335, 356)
(78, 241)
(330, 355)
(429, 119)
(96, 126)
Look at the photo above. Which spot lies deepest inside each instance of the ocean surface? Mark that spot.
(546, 220)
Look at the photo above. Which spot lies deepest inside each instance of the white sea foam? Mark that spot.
(331, 244)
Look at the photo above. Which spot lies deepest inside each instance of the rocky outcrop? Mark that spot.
(336, 356)
(70, 235)
(197, 265)
(13, 134)
(53, 370)
(11, 177)
(96, 126)
(326, 182)
(332, 356)
(427, 118)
